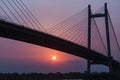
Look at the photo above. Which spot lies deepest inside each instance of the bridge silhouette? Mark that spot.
(62, 39)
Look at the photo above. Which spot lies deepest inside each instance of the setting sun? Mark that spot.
(54, 57)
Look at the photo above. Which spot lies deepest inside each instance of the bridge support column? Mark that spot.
(105, 15)
(89, 36)
(108, 39)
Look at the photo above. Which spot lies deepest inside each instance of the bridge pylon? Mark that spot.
(99, 15)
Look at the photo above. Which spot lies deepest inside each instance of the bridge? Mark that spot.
(16, 31)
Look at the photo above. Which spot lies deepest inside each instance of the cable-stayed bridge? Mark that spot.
(78, 35)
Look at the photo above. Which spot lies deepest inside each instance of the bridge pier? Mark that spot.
(89, 37)
(105, 15)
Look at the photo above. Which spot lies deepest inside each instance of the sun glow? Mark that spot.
(54, 58)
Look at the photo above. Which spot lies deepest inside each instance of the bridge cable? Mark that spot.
(114, 32)
(16, 12)
(100, 36)
(70, 26)
(69, 18)
(96, 39)
(6, 14)
(65, 31)
(80, 34)
(73, 26)
(64, 25)
(11, 12)
(77, 28)
(23, 14)
(27, 14)
(25, 7)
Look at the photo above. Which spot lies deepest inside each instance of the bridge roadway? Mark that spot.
(21, 33)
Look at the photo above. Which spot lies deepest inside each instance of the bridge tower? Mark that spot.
(99, 15)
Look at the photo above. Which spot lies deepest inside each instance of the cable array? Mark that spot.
(17, 12)
(115, 48)
(73, 29)
(97, 42)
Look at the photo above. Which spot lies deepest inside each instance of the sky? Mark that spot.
(16, 56)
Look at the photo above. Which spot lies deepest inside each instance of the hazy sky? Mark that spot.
(16, 56)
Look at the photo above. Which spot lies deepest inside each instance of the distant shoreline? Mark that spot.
(53, 76)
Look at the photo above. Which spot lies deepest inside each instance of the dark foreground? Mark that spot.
(56, 76)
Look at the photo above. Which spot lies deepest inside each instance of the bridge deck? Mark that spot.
(17, 32)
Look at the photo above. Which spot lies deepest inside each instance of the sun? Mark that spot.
(54, 58)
